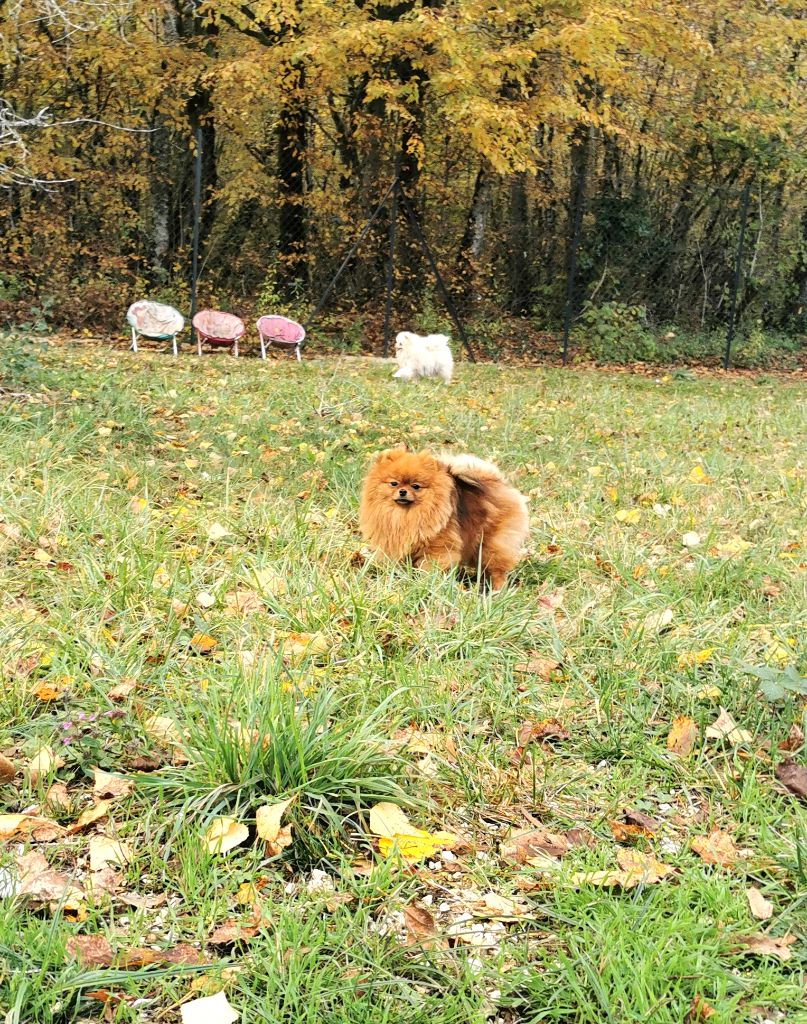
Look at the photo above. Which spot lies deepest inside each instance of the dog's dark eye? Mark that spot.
(393, 483)
(415, 487)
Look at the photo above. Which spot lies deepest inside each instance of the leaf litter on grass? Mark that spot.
(463, 679)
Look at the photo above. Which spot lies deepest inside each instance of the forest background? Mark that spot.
(577, 158)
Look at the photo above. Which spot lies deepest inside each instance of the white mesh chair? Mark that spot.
(154, 320)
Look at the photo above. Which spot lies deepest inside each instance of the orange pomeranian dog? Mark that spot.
(447, 510)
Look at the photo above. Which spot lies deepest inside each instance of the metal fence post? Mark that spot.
(197, 216)
(738, 273)
(571, 272)
(393, 217)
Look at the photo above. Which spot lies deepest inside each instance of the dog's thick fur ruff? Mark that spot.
(418, 356)
(448, 510)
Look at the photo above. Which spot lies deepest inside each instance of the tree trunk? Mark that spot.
(292, 143)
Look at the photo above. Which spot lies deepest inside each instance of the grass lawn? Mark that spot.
(184, 601)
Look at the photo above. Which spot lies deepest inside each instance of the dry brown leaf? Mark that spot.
(100, 809)
(538, 666)
(214, 1009)
(105, 852)
(760, 908)
(725, 728)
(105, 880)
(699, 1010)
(624, 832)
(90, 950)
(421, 929)
(57, 798)
(224, 834)
(793, 777)
(716, 848)
(546, 729)
(133, 899)
(682, 736)
(43, 884)
(764, 945)
(794, 739)
(492, 905)
(633, 817)
(51, 689)
(242, 602)
(548, 603)
(111, 786)
(232, 931)
(522, 847)
(270, 582)
(95, 951)
(122, 689)
(298, 646)
(7, 769)
(19, 824)
(657, 622)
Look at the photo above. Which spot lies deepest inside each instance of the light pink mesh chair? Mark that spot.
(218, 328)
(279, 330)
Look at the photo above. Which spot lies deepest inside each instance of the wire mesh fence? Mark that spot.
(603, 254)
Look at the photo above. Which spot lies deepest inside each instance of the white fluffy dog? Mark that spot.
(419, 356)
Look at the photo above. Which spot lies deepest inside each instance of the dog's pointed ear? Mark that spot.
(390, 453)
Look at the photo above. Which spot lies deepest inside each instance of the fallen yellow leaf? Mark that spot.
(162, 729)
(203, 643)
(267, 823)
(51, 689)
(224, 834)
(682, 736)
(690, 659)
(395, 832)
(269, 582)
(697, 476)
(732, 547)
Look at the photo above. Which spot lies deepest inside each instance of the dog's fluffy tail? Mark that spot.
(471, 470)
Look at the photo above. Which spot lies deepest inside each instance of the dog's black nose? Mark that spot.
(402, 492)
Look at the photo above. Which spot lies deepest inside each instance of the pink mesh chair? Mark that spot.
(217, 328)
(279, 330)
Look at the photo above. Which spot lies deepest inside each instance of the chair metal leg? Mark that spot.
(134, 340)
(263, 347)
(174, 343)
(199, 344)
(297, 353)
